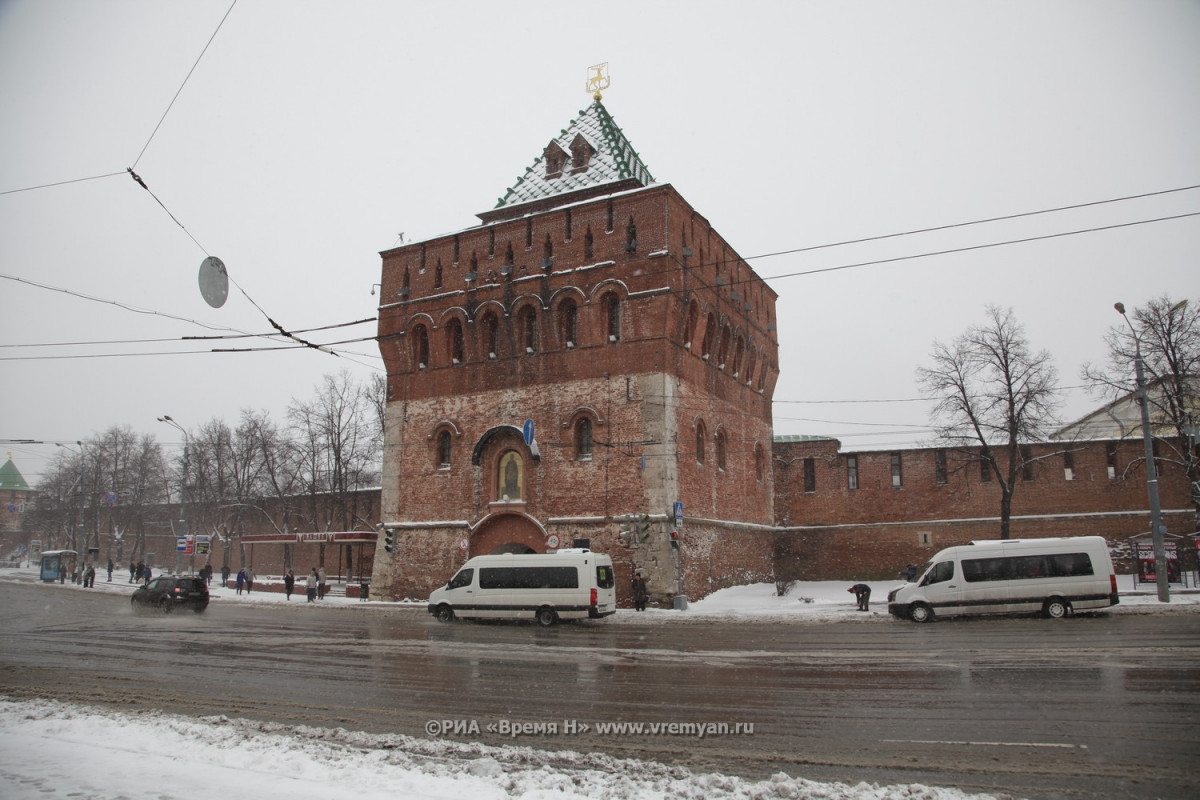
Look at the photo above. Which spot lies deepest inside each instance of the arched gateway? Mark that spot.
(508, 533)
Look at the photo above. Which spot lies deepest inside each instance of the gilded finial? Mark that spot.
(597, 80)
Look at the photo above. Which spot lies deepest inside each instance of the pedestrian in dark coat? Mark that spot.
(225, 576)
(289, 583)
(110, 570)
(241, 580)
(132, 571)
(862, 593)
(640, 592)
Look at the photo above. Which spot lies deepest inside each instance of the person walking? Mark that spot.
(241, 580)
(132, 571)
(110, 570)
(322, 586)
(640, 593)
(862, 593)
(311, 585)
(289, 583)
(89, 577)
(146, 574)
(225, 576)
(249, 579)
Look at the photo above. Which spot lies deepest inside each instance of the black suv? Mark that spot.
(169, 592)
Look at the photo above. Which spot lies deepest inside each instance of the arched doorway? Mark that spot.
(508, 533)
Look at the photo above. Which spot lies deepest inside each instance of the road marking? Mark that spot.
(1058, 745)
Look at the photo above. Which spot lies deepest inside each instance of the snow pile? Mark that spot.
(50, 748)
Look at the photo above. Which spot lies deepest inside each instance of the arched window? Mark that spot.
(443, 449)
(739, 347)
(568, 323)
(491, 335)
(548, 254)
(710, 330)
(700, 443)
(750, 361)
(724, 347)
(721, 450)
(689, 331)
(612, 307)
(528, 327)
(420, 345)
(583, 439)
(510, 476)
(437, 275)
(454, 340)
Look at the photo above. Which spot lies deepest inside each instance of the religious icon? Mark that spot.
(509, 483)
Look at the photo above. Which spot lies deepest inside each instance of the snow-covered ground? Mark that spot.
(49, 748)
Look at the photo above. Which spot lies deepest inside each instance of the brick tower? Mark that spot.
(600, 306)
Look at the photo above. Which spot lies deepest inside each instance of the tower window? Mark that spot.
(568, 323)
(454, 335)
(583, 439)
(612, 306)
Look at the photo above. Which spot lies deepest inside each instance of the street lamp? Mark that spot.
(1157, 529)
(183, 523)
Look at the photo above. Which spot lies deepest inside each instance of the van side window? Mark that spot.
(529, 578)
(942, 571)
(1004, 568)
(463, 578)
(604, 577)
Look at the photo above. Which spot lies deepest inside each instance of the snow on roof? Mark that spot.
(613, 159)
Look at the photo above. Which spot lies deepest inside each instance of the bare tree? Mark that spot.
(992, 395)
(104, 494)
(1169, 336)
(339, 438)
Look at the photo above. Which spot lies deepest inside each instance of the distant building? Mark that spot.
(16, 497)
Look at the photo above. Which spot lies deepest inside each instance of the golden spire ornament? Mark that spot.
(597, 80)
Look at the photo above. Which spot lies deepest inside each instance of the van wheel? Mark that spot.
(1056, 608)
(920, 613)
(546, 617)
(444, 614)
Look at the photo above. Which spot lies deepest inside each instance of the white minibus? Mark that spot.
(546, 587)
(1054, 576)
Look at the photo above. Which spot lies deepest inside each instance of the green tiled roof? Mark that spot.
(10, 476)
(613, 160)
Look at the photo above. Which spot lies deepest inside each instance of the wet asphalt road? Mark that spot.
(1098, 706)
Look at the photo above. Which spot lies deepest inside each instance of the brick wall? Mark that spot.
(874, 531)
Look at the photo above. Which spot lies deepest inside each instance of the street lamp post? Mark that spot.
(1157, 529)
(183, 522)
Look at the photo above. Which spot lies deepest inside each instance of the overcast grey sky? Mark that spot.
(312, 133)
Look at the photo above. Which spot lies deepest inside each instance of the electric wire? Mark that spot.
(180, 89)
